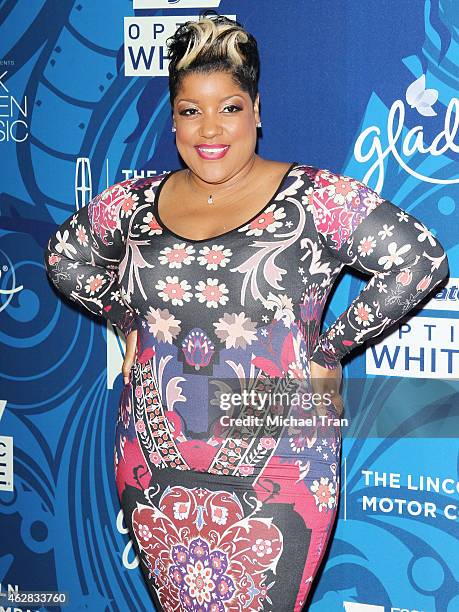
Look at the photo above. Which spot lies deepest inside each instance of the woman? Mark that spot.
(219, 273)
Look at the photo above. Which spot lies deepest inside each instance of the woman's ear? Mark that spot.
(256, 108)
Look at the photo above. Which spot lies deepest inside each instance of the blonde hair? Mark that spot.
(222, 40)
(213, 43)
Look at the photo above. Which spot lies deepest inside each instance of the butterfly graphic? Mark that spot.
(420, 98)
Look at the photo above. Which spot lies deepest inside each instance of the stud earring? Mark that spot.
(173, 129)
(259, 124)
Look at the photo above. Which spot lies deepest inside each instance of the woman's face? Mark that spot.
(211, 109)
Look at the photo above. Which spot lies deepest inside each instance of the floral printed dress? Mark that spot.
(236, 515)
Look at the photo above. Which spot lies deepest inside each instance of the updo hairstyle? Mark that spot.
(213, 43)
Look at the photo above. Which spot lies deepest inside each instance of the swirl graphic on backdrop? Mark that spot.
(7, 278)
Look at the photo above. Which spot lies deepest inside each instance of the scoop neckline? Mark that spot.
(234, 229)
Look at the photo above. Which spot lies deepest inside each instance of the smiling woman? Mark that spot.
(218, 274)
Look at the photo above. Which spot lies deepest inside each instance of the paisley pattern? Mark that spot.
(203, 551)
(238, 516)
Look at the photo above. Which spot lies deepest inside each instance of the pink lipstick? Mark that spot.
(214, 151)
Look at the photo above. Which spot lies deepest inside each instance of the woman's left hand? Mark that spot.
(327, 383)
(129, 355)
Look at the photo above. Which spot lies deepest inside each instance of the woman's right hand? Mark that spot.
(327, 383)
(130, 355)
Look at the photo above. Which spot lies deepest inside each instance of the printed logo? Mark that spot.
(423, 348)
(12, 128)
(83, 182)
(447, 299)
(145, 48)
(369, 143)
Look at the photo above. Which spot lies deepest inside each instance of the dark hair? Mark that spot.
(213, 43)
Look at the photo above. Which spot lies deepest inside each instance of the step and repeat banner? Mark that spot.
(368, 89)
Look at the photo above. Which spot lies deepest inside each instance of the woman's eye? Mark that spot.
(238, 108)
(185, 111)
(189, 112)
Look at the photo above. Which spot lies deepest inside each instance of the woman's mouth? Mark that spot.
(212, 151)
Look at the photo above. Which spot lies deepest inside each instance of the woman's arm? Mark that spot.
(83, 255)
(361, 229)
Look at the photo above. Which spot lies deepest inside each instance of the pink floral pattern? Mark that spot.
(339, 204)
(244, 307)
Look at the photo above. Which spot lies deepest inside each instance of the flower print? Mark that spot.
(267, 442)
(145, 533)
(404, 277)
(198, 560)
(200, 576)
(284, 308)
(342, 189)
(211, 293)
(425, 233)
(386, 232)
(236, 330)
(200, 583)
(63, 246)
(174, 290)
(115, 295)
(129, 204)
(311, 308)
(82, 236)
(74, 220)
(382, 287)
(324, 493)
(262, 547)
(245, 470)
(150, 225)
(149, 193)
(424, 283)
(177, 255)
(394, 295)
(181, 510)
(366, 246)
(155, 458)
(53, 259)
(296, 370)
(197, 348)
(402, 216)
(395, 255)
(214, 257)
(363, 314)
(339, 328)
(94, 284)
(162, 324)
(219, 514)
(269, 220)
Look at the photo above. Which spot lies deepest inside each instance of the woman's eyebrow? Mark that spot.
(197, 101)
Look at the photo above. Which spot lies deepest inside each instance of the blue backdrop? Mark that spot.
(363, 88)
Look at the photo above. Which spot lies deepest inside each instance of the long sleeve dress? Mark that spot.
(235, 513)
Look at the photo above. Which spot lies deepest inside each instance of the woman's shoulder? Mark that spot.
(323, 176)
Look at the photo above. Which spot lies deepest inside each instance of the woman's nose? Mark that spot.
(210, 127)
